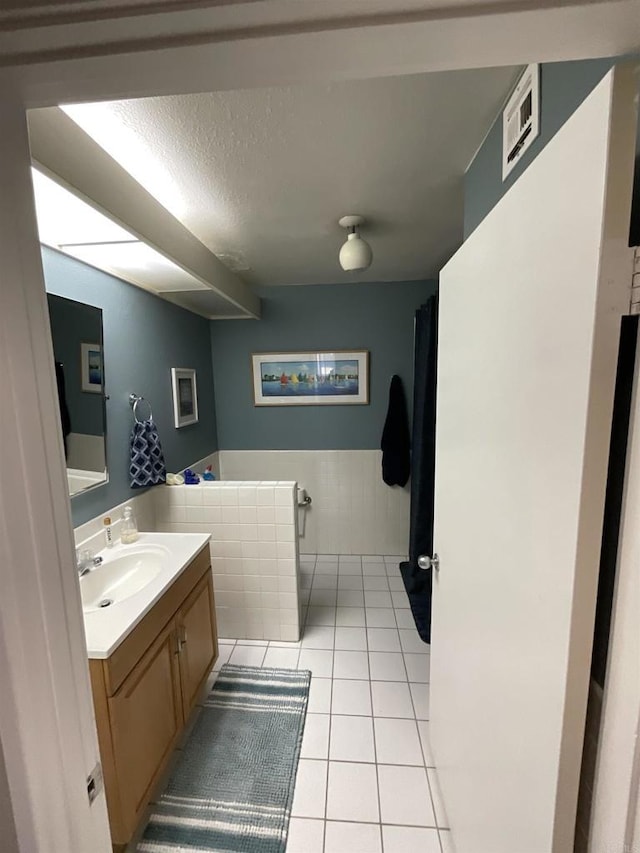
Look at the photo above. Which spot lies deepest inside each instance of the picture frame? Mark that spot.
(185, 396)
(91, 368)
(316, 378)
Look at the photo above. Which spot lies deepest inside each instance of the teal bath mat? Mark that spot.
(233, 785)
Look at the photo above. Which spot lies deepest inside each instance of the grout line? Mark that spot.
(422, 747)
(298, 656)
(433, 805)
(379, 823)
(326, 793)
(366, 716)
(373, 732)
(365, 764)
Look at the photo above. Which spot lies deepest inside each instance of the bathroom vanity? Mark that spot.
(150, 655)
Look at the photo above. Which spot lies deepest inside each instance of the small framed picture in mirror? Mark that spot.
(91, 368)
(185, 396)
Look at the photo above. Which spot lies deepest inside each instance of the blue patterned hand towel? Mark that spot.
(147, 460)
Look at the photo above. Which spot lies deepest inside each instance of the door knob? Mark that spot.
(425, 562)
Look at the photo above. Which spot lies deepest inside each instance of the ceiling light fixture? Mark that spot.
(356, 253)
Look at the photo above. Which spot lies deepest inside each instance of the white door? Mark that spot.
(529, 319)
(48, 741)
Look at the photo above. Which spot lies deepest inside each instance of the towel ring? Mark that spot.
(134, 401)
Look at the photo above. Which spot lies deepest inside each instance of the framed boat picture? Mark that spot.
(311, 378)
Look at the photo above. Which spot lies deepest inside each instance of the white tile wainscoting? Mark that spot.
(91, 533)
(255, 542)
(254, 551)
(353, 511)
(254, 547)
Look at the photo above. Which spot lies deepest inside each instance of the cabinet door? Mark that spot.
(196, 623)
(146, 720)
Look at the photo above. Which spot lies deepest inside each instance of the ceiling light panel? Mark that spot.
(70, 224)
(65, 218)
(137, 263)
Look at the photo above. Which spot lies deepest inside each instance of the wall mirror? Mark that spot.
(76, 330)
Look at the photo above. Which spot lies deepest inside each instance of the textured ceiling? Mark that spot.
(262, 176)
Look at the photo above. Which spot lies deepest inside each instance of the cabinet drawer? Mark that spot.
(129, 652)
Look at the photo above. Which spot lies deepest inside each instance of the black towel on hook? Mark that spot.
(395, 444)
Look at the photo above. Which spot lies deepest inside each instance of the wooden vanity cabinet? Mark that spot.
(145, 692)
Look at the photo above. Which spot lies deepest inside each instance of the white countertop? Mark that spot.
(106, 629)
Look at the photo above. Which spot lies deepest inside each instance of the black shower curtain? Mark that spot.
(418, 581)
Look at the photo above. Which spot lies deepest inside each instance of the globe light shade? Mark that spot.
(355, 254)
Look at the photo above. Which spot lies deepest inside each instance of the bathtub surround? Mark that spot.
(352, 510)
(254, 551)
(144, 337)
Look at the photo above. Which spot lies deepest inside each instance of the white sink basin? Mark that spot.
(134, 577)
(122, 575)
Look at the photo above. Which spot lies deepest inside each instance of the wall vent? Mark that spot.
(521, 119)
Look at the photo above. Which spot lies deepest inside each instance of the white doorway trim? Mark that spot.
(180, 54)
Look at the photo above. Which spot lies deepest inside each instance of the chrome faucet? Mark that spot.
(85, 561)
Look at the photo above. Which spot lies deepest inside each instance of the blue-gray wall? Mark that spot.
(72, 324)
(563, 87)
(144, 337)
(375, 317)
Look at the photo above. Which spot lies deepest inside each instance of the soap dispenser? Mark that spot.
(128, 528)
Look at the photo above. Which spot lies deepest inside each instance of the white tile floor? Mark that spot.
(366, 781)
